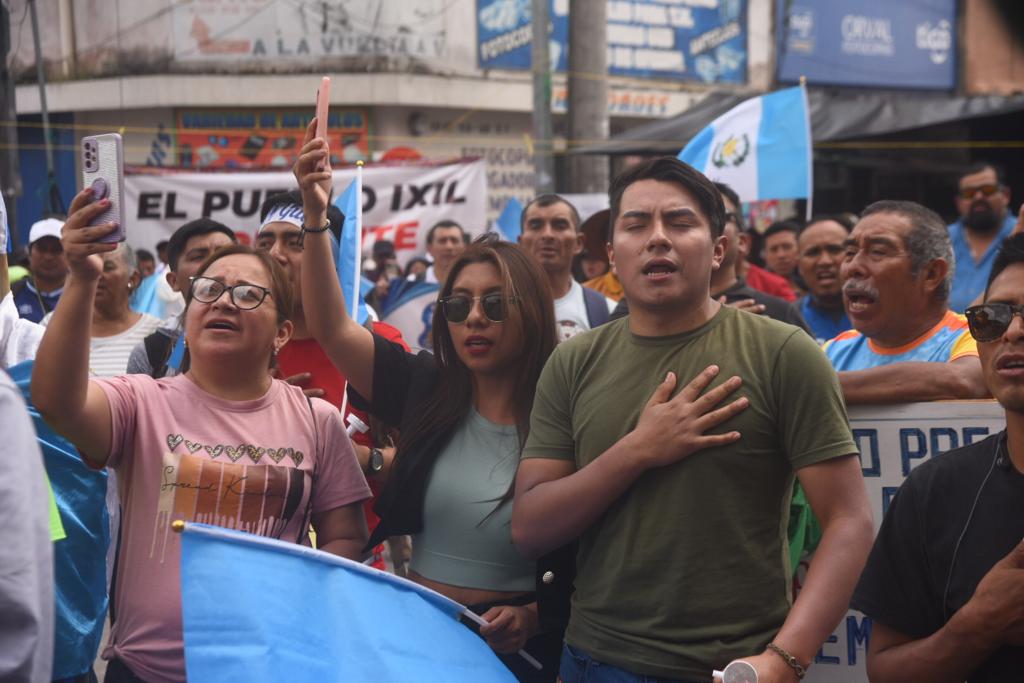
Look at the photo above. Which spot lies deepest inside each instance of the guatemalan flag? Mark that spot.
(348, 257)
(258, 609)
(760, 148)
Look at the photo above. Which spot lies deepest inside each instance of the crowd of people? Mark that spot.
(599, 454)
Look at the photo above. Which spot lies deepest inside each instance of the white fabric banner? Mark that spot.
(400, 203)
(893, 440)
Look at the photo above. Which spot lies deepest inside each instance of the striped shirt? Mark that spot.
(108, 356)
(945, 342)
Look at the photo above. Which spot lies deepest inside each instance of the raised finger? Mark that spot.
(314, 393)
(89, 248)
(718, 394)
(81, 200)
(87, 234)
(296, 379)
(79, 218)
(716, 440)
(698, 384)
(717, 417)
(310, 132)
(663, 390)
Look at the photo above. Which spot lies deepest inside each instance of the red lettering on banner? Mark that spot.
(378, 232)
(405, 235)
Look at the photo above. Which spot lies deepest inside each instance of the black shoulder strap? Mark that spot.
(304, 529)
(597, 307)
(158, 350)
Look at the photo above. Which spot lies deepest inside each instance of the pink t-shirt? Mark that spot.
(182, 453)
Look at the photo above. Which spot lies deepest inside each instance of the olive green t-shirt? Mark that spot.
(688, 570)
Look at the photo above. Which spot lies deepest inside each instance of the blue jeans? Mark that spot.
(579, 667)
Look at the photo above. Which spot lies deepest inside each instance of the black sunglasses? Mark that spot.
(988, 322)
(456, 308)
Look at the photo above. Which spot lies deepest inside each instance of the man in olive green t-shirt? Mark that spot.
(683, 563)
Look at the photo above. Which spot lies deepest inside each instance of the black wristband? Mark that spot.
(303, 230)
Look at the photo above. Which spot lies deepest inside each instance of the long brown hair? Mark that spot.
(522, 281)
(280, 286)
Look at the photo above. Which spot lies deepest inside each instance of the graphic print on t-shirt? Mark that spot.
(238, 493)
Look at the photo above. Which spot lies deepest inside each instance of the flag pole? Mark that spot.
(810, 151)
(353, 306)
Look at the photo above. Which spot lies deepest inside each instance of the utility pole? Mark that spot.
(588, 93)
(10, 179)
(52, 202)
(543, 160)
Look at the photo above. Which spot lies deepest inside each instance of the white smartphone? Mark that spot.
(103, 171)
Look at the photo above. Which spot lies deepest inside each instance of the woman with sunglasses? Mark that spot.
(221, 443)
(463, 414)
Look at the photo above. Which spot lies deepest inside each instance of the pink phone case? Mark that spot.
(103, 171)
(323, 98)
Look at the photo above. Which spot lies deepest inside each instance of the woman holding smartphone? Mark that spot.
(463, 415)
(221, 443)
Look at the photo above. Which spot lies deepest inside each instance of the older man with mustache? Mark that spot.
(896, 271)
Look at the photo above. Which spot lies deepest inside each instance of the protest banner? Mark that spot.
(893, 440)
(400, 203)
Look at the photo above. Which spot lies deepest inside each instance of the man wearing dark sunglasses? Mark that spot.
(944, 584)
(982, 200)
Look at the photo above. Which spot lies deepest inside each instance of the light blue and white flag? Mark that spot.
(5, 232)
(349, 255)
(510, 221)
(761, 148)
(258, 609)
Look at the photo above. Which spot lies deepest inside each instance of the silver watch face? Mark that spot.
(739, 672)
(376, 460)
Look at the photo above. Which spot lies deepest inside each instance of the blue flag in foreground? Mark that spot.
(349, 249)
(257, 609)
(510, 220)
(80, 559)
(761, 147)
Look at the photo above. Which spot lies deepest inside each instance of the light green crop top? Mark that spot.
(457, 546)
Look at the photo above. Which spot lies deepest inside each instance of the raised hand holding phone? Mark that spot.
(103, 174)
(323, 99)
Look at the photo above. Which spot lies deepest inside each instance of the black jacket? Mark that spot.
(402, 383)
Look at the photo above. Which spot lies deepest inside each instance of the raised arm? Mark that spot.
(555, 502)
(348, 344)
(61, 391)
(915, 381)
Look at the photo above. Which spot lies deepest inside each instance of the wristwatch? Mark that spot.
(375, 465)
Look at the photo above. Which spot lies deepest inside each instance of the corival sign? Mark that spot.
(400, 203)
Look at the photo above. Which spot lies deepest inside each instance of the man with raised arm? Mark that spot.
(625, 456)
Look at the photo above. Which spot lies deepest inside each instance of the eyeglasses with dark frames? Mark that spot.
(244, 296)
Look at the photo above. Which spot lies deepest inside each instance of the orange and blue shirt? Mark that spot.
(946, 342)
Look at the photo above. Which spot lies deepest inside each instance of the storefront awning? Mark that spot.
(835, 115)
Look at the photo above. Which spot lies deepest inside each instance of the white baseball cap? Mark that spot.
(48, 227)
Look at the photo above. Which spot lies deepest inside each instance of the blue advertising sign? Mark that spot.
(700, 41)
(868, 42)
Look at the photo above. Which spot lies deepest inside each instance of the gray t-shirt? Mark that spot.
(26, 564)
(467, 534)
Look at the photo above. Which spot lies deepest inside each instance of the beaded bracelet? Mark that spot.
(303, 230)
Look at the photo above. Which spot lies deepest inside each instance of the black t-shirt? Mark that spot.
(905, 578)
